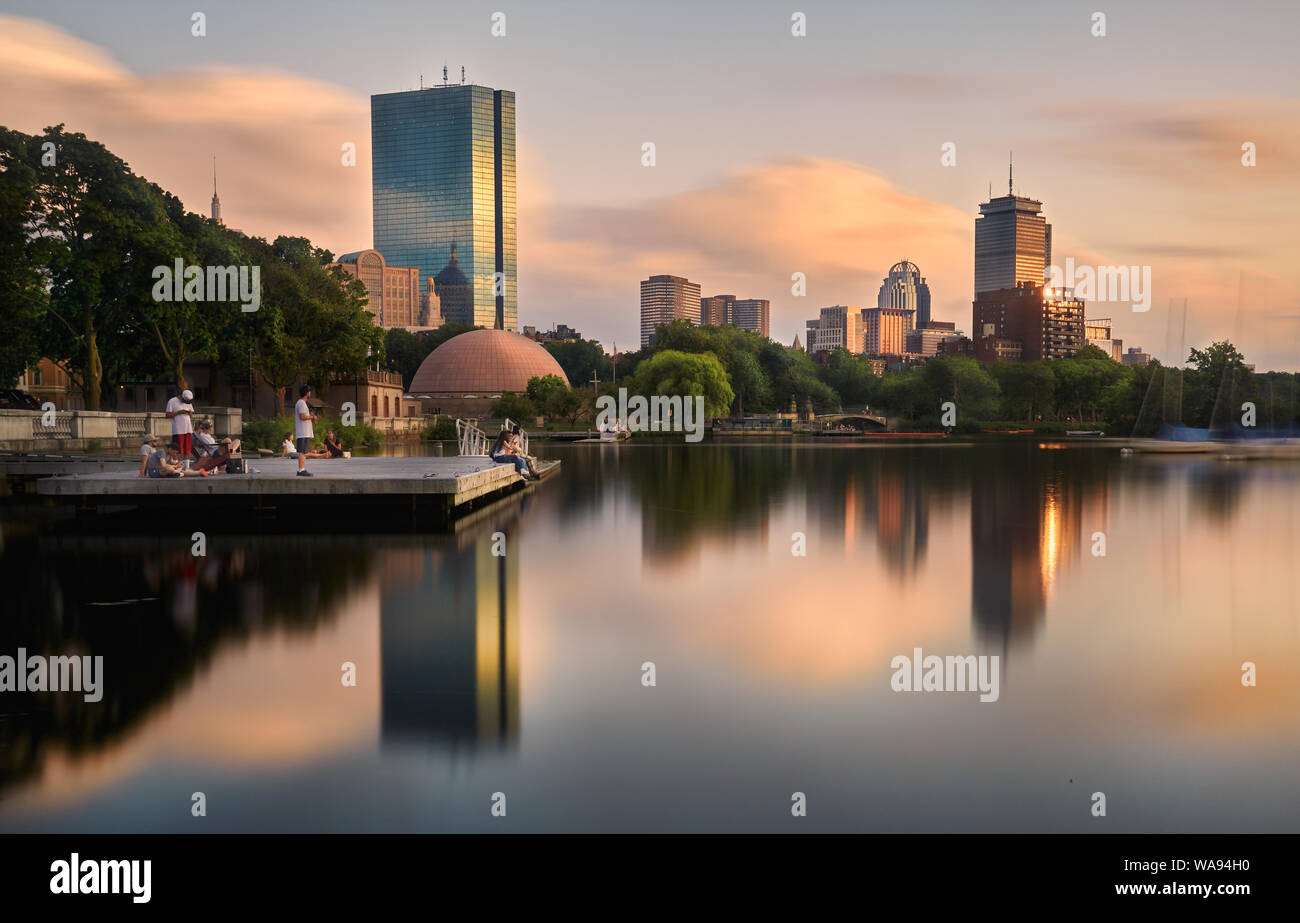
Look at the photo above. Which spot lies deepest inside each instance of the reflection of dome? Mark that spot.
(484, 362)
(450, 274)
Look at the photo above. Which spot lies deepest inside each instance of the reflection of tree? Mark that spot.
(156, 614)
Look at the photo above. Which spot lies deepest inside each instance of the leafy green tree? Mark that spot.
(673, 373)
(1028, 388)
(965, 382)
(515, 407)
(1216, 386)
(851, 377)
(98, 225)
(580, 359)
(22, 290)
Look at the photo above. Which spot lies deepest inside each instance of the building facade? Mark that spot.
(1135, 356)
(753, 314)
(1098, 334)
(393, 292)
(1013, 243)
(836, 327)
(925, 338)
(716, 310)
(885, 330)
(444, 195)
(665, 299)
(905, 288)
(1046, 327)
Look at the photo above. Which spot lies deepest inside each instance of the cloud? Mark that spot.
(277, 137)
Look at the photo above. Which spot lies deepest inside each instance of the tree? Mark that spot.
(22, 289)
(1027, 388)
(672, 373)
(965, 382)
(98, 225)
(580, 359)
(514, 407)
(1216, 387)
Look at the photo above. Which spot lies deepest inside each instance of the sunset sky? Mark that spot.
(775, 154)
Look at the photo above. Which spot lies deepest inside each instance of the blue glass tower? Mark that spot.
(444, 195)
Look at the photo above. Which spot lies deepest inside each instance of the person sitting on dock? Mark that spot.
(286, 448)
(204, 444)
(333, 446)
(146, 450)
(216, 462)
(166, 463)
(501, 454)
(517, 449)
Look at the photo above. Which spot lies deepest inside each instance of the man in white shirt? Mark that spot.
(302, 429)
(181, 412)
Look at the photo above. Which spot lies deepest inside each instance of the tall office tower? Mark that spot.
(444, 195)
(716, 310)
(905, 288)
(753, 314)
(1013, 242)
(665, 299)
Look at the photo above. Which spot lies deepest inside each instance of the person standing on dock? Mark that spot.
(303, 431)
(181, 412)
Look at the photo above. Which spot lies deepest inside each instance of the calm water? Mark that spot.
(523, 674)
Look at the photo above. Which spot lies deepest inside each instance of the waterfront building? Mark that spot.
(665, 299)
(444, 195)
(1097, 331)
(906, 289)
(467, 374)
(1013, 242)
(392, 292)
(1047, 326)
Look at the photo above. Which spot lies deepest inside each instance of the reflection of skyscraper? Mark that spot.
(450, 647)
(444, 174)
(902, 518)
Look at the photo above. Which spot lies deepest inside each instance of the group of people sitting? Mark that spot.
(332, 447)
(508, 449)
(207, 457)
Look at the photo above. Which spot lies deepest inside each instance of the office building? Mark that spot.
(836, 327)
(1045, 326)
(926, 338)
(1135, 356)
(885, 330)
(1097, 333)
(715, 311)
(753, 314)
(393, 292)
(906, 289)
(1013, 243)
(444, 195)
(665, 299)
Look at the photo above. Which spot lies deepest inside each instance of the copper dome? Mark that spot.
(482, 363)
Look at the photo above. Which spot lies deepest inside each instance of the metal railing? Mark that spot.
(470, 439)
(473, 441)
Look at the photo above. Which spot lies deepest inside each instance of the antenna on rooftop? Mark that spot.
(462, 73)
(1009, 165)
(422, 81)
(444, 75)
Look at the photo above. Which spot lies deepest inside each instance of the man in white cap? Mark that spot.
(181, 412)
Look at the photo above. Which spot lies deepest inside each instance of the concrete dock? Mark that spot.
(419, 488)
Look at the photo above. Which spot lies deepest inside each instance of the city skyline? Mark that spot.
(1155, 130)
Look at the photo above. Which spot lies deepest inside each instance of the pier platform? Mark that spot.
(438, 489)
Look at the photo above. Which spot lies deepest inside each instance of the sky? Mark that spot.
(775, 153)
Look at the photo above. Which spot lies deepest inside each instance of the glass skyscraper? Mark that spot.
(444, 195)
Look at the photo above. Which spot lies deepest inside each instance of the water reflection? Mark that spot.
(771, 662)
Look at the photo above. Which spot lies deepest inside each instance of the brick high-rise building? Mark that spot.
(1046, 326)
(665, 299)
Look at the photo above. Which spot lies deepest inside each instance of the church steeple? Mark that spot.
(216, 202)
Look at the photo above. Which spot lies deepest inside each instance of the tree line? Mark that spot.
(82, 240)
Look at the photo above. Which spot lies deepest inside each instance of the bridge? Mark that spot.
(863, 419)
